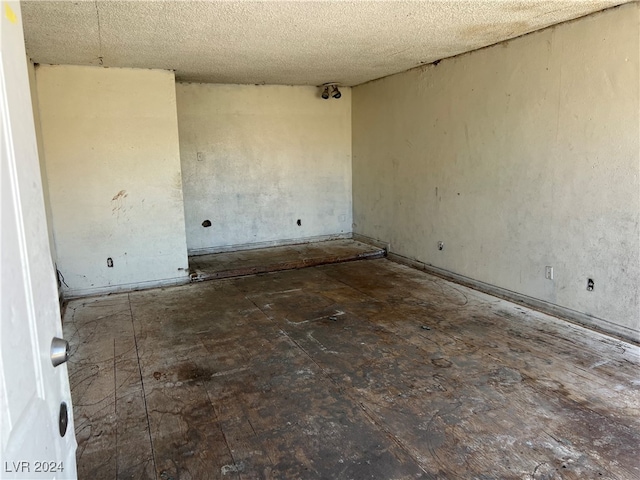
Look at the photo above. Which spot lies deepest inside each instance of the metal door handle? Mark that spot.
(59, 351)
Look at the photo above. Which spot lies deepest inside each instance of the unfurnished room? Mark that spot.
(320, 239)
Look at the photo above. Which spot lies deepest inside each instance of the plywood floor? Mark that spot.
(274, 259)
(357, 370)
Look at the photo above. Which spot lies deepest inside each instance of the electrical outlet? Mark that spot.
(548, 273)
(590, 285)
(200, 156)
(440, 245)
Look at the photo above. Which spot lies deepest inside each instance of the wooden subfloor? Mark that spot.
(350, 371)
(275, 259)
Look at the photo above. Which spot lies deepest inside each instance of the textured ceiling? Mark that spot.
(281, 42)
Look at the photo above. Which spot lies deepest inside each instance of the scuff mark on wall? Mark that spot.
(118, 203)
(120, 194)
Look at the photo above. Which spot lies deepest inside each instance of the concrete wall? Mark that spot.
(110, 140)
(518, 156)
(255, 159)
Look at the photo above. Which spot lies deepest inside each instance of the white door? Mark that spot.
(32, 390)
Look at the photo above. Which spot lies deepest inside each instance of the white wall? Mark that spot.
(255, 159)
(43, 167)
(518, 156)
(110, 140)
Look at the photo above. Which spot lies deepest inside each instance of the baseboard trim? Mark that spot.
(274, 243)
(595, 323)
(386, 246)
(72, 293)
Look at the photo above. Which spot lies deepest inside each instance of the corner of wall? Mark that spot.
(43, 171)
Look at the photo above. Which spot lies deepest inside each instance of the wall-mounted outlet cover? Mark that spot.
(590, 285)
(548, 272)
(440, 245)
